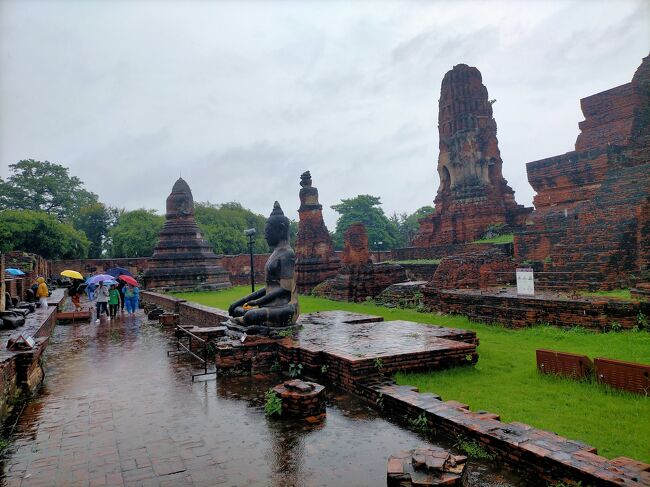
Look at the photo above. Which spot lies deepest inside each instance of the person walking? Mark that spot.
(132, 298)
(42, 292)
(101, 294)
(113, 302)
(120, 288)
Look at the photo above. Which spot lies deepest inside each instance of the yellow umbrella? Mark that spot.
(72, 274)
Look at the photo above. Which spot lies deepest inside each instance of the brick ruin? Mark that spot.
(315, 257)
(473, 194)
(358, 278)
(591, 221)
(182, 259)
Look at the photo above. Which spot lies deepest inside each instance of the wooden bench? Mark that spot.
(627, 376)
(565, 364)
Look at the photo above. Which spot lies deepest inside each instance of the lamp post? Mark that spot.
(377, 247)
(250, 233)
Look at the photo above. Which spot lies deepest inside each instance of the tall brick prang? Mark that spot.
(473, 194)
(315, 258)
(182, 259)
(591, 224)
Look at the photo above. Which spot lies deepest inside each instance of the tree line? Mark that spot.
(45, 210)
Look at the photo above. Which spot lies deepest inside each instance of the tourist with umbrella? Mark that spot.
(131, 294)
(101, 295)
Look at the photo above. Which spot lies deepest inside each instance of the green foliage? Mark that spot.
(295, 370)
(408, 225)
(289, 332)
(44, 186)
(473, 449)
(324, 369)
(272, 404)
(615, 326)
(223, 227)
(365, 209)
(420, 423)
(379, 364)
(135, 233)
(276, 367)
(641, 321)
(505, 379)
(40, 233)
(95, 220)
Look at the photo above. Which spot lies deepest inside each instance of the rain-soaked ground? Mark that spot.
(115, 410)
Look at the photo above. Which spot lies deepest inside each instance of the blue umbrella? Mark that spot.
(14, 272)
(99, 277)
(116, 271)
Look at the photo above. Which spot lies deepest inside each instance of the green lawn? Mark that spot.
(622, 294)
(505, 380)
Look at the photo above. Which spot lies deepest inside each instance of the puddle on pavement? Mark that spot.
(118, 379)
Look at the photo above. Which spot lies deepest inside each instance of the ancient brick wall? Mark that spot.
(477, 270)
(590, 226)
(519, 311)
(473, 194)
(239, 267)
(199, 315)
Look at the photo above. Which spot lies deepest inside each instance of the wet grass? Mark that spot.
(499, 239)
(505, 380)
(622, 294)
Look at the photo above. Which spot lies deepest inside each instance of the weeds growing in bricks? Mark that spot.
(473, 449)
(272, 404)
(295, 370)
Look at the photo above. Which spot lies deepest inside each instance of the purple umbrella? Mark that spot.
(99, 277)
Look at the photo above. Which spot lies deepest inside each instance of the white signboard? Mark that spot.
(525, 282)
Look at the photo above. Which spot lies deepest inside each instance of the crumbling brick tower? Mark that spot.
(182, 260)
(473, 193)
(591, 224)
(315, 258)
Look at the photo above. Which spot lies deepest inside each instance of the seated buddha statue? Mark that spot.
(275, 305)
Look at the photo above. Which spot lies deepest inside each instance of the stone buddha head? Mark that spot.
(277, 227)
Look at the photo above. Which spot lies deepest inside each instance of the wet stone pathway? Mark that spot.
(115, 410)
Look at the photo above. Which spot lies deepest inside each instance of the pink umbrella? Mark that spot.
(128, 280)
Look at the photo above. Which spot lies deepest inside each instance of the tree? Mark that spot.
(135, 234)
(40, 233)
(223, 227)
(408, 225)
(365, 209)
(44, 186)
(95, 220)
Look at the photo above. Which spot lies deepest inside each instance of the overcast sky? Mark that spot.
(242, 97)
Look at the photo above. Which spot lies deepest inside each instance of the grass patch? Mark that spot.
(622, 294)
(414, 261)
(505, 380)
(499, 239)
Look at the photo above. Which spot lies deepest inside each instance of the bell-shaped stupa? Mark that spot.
(182, 260)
